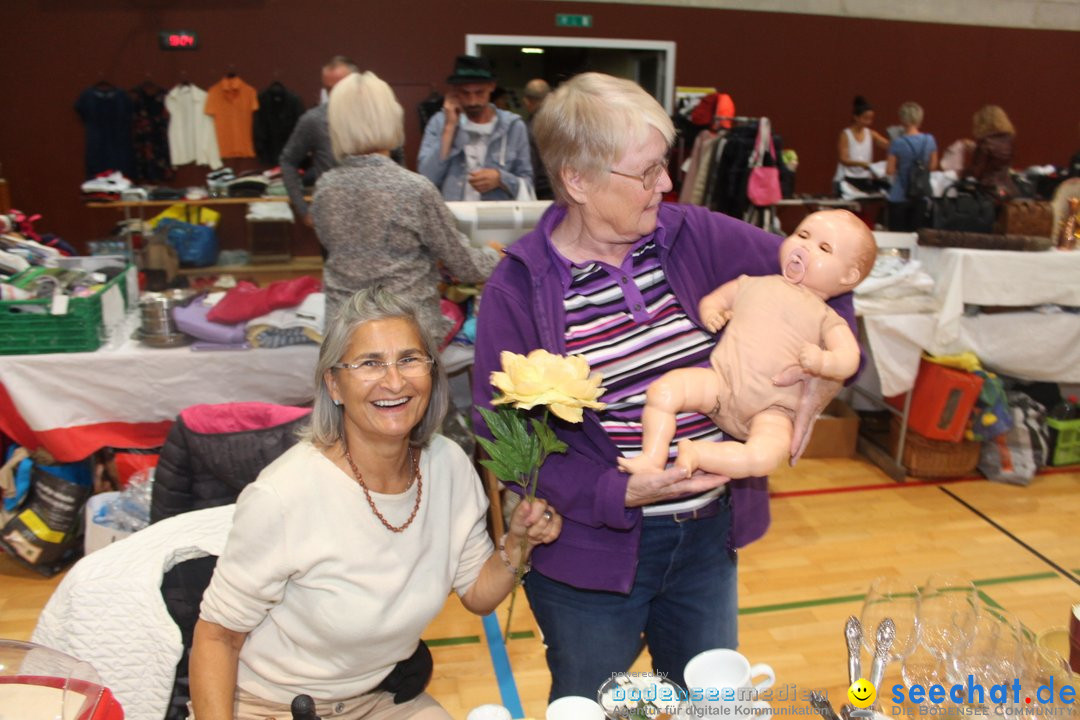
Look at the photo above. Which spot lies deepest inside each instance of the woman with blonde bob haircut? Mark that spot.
(344, 549)
(365, 116)
(992, 152)
(378, 222)
(615, 274)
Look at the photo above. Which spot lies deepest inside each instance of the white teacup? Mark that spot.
(725, 679)
(489, 712)
(574, 707)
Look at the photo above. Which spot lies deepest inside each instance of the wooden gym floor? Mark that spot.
(837, 524)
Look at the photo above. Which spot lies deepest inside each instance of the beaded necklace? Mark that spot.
(415, 460)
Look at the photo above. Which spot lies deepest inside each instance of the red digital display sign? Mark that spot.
(178, 40)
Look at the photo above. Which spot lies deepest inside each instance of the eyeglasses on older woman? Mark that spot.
(649, 178)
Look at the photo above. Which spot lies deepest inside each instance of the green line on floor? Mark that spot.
(1016, 578)
(522, 635)
(800, 604)
(818, 602)
(464, 640)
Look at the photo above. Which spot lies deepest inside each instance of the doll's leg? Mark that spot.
(685, 390)
(768, 445)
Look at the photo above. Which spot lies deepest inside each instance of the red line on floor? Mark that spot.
(880, 486)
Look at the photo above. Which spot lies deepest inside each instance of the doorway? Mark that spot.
(520, 58)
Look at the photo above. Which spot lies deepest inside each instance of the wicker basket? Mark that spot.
(924, 457)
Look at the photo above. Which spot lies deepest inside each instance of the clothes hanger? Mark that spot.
(148, 85)
(102, 84)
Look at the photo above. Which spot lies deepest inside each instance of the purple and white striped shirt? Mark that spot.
(630, 327)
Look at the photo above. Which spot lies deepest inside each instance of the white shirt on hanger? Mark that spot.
(192, 137)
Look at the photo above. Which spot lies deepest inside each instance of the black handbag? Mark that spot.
(964, 207)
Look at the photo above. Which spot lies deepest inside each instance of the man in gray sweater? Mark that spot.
(311, 136)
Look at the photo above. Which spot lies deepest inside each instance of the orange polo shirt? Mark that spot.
(232, 103)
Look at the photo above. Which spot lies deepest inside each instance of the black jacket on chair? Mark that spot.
(213, 451)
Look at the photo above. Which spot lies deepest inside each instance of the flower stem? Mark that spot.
(530, 486)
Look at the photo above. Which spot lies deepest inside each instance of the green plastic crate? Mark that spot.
(1065, 438)
(27, 328)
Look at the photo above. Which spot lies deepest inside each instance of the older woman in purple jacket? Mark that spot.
(615, 275)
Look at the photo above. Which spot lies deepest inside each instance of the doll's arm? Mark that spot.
(840, 358)
(715, 308)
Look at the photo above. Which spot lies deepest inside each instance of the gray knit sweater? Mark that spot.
(382, 224)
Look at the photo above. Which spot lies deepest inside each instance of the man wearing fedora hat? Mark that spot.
(473, 150)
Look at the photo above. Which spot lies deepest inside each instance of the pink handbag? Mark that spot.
(763, 185)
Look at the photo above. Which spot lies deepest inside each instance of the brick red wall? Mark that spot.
(800, 70)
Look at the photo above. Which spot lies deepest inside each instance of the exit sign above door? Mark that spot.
(579, 21)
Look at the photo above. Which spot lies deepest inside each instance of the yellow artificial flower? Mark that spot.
(564, 384)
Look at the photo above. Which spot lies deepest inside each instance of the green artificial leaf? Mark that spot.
(502, 472)
(506, 461)
(549, 442)
(499, 421)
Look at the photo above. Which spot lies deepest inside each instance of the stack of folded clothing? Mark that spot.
(269, 212)
(247, 186)
(105, 187)
(297, 325)
(218, 180)
(895, 285)
(276, 188)
(167, 193)
(287, 312)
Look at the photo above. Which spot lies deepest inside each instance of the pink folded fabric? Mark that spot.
(247, 300)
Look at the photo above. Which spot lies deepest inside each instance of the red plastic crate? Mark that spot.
(941, 401)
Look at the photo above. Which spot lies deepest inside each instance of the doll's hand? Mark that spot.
(812, 359)
(716, 320)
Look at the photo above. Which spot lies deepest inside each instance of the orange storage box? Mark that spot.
(941, 401)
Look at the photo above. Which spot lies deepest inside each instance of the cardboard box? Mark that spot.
(835, 433)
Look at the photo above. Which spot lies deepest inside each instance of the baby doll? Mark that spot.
(773, 322)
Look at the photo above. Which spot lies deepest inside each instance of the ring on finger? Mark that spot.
(548, 515)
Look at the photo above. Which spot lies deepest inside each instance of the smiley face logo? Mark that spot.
(861, 693)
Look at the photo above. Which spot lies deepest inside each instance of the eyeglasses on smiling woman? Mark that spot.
(649, 178)
(369, 370)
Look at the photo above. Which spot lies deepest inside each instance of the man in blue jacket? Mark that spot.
(472, 150)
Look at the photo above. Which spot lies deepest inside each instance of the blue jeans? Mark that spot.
(683, 602)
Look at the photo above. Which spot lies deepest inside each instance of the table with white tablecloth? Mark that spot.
(997, 278)
(1011, 334)
(1016, 311)
(128, 395)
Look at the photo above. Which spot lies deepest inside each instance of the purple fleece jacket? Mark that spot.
(522, 309)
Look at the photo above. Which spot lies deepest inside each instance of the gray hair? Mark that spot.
(537, 89)
(589, 123)
(327, 424)
(911, 113)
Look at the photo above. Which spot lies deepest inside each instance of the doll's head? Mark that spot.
(829, 253)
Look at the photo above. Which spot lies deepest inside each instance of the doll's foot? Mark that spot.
(638, 464)
(688, 458)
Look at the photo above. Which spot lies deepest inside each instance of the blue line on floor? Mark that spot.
(500, 661)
